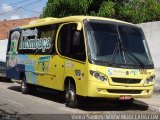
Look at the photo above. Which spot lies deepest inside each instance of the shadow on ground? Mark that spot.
(89, 104)
(47, 94)
(3, 79)
(114, 105)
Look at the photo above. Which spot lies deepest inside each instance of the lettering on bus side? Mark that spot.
(31, 41)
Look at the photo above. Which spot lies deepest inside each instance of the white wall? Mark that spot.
(3, 49)
(152, 33)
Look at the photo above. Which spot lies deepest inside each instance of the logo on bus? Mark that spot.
(144, 71)
(12, 61)
(30, 40)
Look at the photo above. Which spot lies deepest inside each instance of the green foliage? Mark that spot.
(138, 11)
(135, 11)
(62, 8)
(106, 9)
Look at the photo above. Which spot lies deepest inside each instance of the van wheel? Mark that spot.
(70, 96)
(24, 86)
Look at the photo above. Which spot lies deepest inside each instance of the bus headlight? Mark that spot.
(150, 79)
(98, 75)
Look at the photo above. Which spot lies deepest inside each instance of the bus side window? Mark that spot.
(71, 42)
(76, 45)
(62, 40)
(44, 33)
(49, 31)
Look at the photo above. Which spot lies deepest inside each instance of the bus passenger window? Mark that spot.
(38, 40)
(71, 42)
(78, 46)
(62, 40)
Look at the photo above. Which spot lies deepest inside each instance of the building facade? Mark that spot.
(6, 25)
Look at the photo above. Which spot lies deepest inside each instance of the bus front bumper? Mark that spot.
(96, 89)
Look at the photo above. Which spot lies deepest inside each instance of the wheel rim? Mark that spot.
(23, 85)
(70, 95)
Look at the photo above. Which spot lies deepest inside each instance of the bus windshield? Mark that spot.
(117, 44)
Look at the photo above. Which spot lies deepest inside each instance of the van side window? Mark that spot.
(71, 42)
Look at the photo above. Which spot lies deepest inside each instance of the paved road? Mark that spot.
(48, 102)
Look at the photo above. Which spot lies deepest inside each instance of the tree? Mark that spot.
(106, 9)
(61, 8)
(135, 11)
(138, 11)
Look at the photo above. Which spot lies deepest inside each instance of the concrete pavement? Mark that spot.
(154, 101)
(47, 105)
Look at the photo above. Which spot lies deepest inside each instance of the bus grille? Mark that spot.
(125, 91)
(126, 80)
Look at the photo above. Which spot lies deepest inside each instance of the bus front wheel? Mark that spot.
(70, 96)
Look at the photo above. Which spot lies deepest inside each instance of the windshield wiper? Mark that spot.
(114, 53)
(142, 65)
(118, 45)
(122, 49)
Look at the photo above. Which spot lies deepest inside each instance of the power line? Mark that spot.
(30, 10)
(20, 7)
(18, 2)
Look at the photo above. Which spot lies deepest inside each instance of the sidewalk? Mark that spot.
(154, 101)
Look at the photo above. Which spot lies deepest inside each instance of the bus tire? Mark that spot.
(32, 88)
(70, 96)
(24, 86)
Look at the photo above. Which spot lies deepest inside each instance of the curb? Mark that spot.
(154, 108)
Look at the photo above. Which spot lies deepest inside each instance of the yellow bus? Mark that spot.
(84, 56)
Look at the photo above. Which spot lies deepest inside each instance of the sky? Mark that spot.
(18, 9)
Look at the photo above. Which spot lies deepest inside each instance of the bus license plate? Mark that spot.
(124, 97)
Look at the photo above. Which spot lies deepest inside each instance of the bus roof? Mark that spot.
(51, 20)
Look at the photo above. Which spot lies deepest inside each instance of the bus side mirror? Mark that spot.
(76, 38)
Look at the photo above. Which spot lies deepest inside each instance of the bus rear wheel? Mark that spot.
(27, 88)
(70, 96)
(24, 86)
